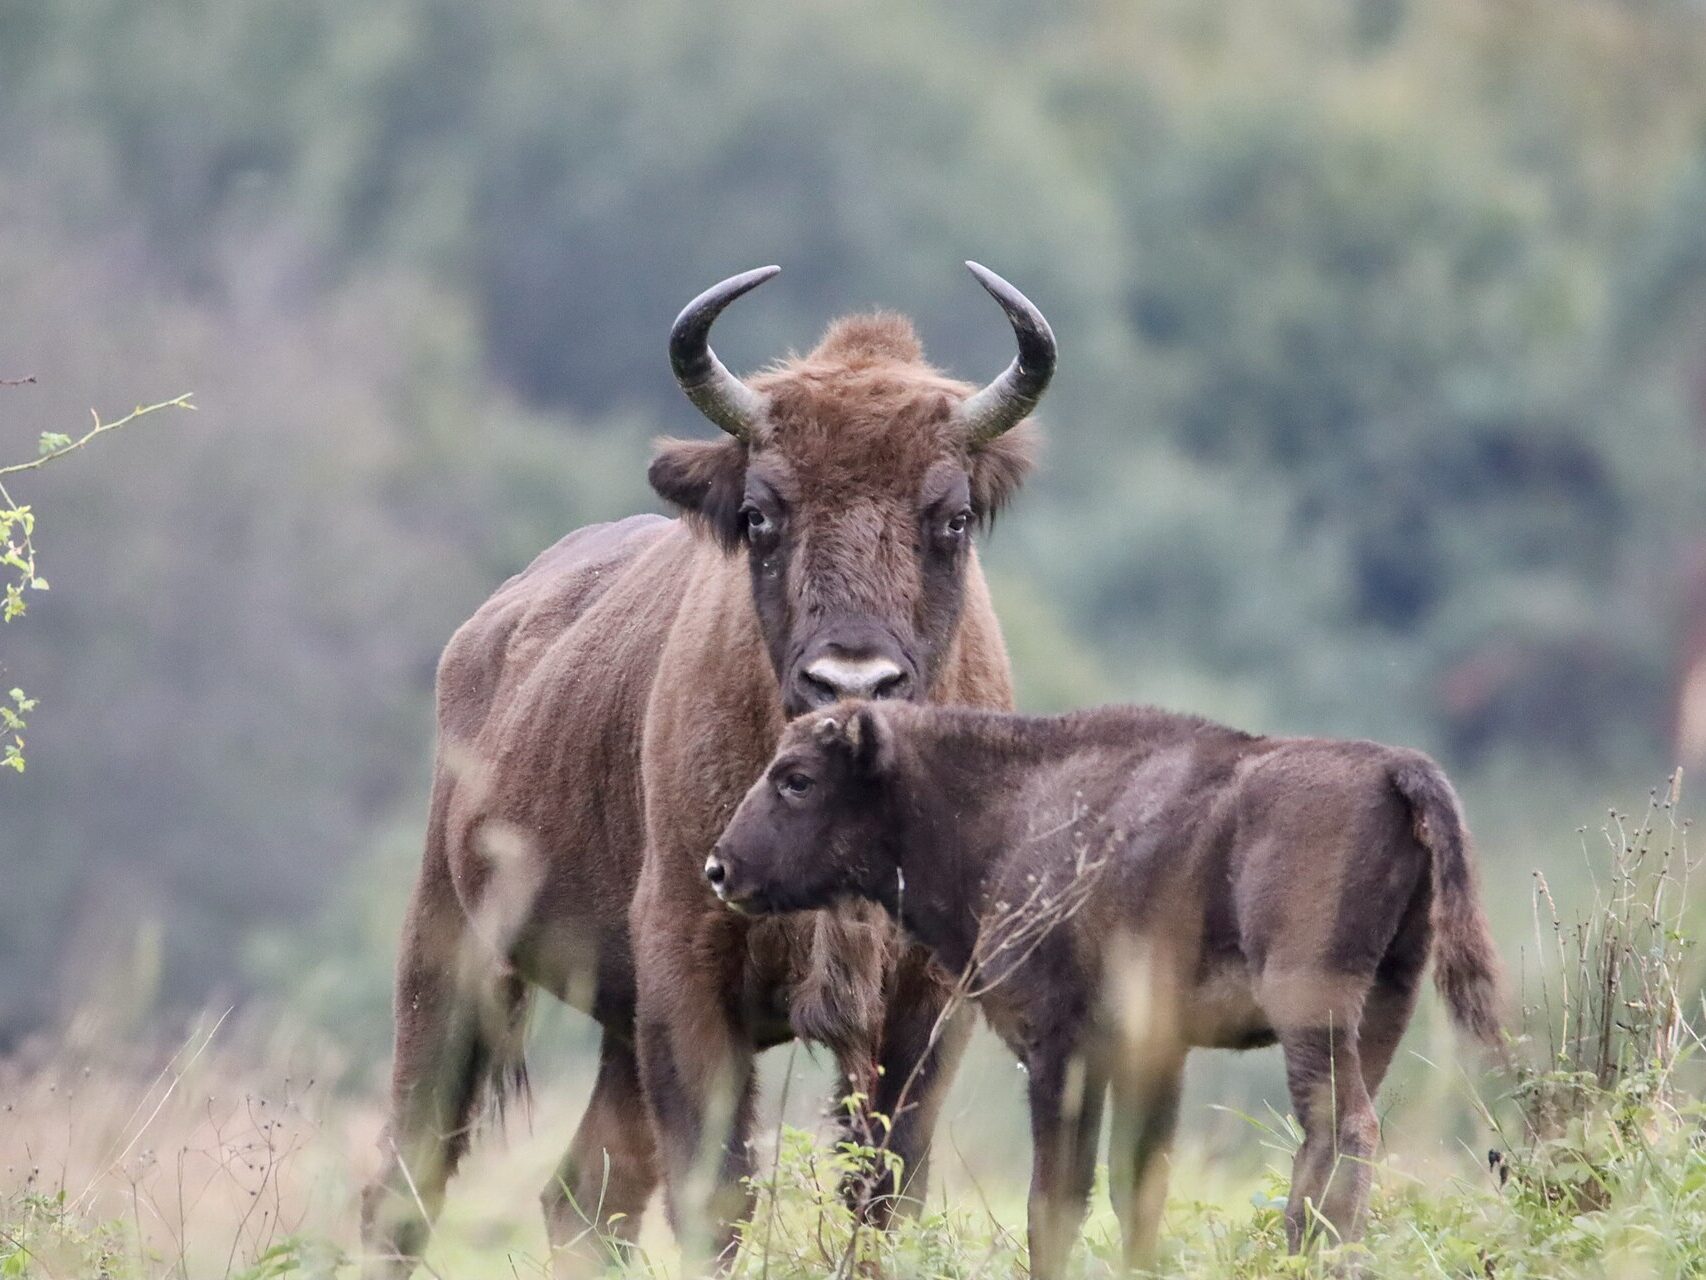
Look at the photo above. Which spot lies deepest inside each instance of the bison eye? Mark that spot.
(958, 523)
(796, 784)
(756, 521)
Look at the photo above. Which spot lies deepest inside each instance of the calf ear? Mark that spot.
(871, 741)
(706, 479)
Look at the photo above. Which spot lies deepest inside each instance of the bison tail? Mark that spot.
(500, 1057)
(1466, 963)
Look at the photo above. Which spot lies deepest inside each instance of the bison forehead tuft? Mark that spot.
(865, 386)
(864, 339)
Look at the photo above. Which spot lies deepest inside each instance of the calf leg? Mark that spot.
(865, 1185)
(1384, 1019)
(458, 1019)
(923, 1041)
(1331, 1173)
(1392, 1000)
(594, 1201)
(1146, 1112)
(1066, 1096)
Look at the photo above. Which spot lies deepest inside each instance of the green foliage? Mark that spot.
(1610, 1095)
(18, 555)
(12, 723)
(42, 1236)
(39, 1237)
(17, 527)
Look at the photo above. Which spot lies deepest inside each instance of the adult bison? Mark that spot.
(601, 716)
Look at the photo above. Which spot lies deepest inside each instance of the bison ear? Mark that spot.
(998, 468)
(706, 479)
(871, 742)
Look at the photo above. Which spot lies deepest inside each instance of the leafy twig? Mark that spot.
(58, 446)
(18, 549)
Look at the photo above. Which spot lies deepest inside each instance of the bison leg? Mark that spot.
(698, 1077)
(1146, 1112)
(594, 1201)
(1386, 1012)
(458, 1015)
(1066, 1098)
(1384, 1019)
(923, 1041)
(1331, 1173)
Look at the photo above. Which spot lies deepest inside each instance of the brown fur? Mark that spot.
(600, 717)
(1121, 886)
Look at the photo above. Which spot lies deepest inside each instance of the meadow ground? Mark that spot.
(233, 1154)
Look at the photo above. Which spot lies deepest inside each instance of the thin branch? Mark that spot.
(100, 428)
(29, 381)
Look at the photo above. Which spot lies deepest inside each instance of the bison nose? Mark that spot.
(830, 678)
(715, 871)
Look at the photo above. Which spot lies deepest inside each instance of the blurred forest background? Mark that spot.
(1380, 408)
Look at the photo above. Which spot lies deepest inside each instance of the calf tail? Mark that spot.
(1466, 964)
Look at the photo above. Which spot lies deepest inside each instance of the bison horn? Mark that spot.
(714, 391)
(1004, 403)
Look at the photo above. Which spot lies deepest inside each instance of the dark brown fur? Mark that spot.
(599, 719)
(1121, 886)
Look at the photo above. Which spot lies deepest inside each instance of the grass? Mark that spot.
(231, 1158)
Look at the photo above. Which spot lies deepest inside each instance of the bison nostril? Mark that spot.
(715, 871)
(894, 686)
(819, 692)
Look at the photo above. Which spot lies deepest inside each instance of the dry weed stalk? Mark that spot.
(196, 1172)
(1615, 983)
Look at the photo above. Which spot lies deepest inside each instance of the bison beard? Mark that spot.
(600, 717)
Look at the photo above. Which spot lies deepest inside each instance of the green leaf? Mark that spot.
(52, 442)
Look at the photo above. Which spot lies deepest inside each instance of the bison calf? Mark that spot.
(1120, 886)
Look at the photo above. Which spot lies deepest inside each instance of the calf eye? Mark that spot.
(756, 521)
(796, 784)
(958, 523)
